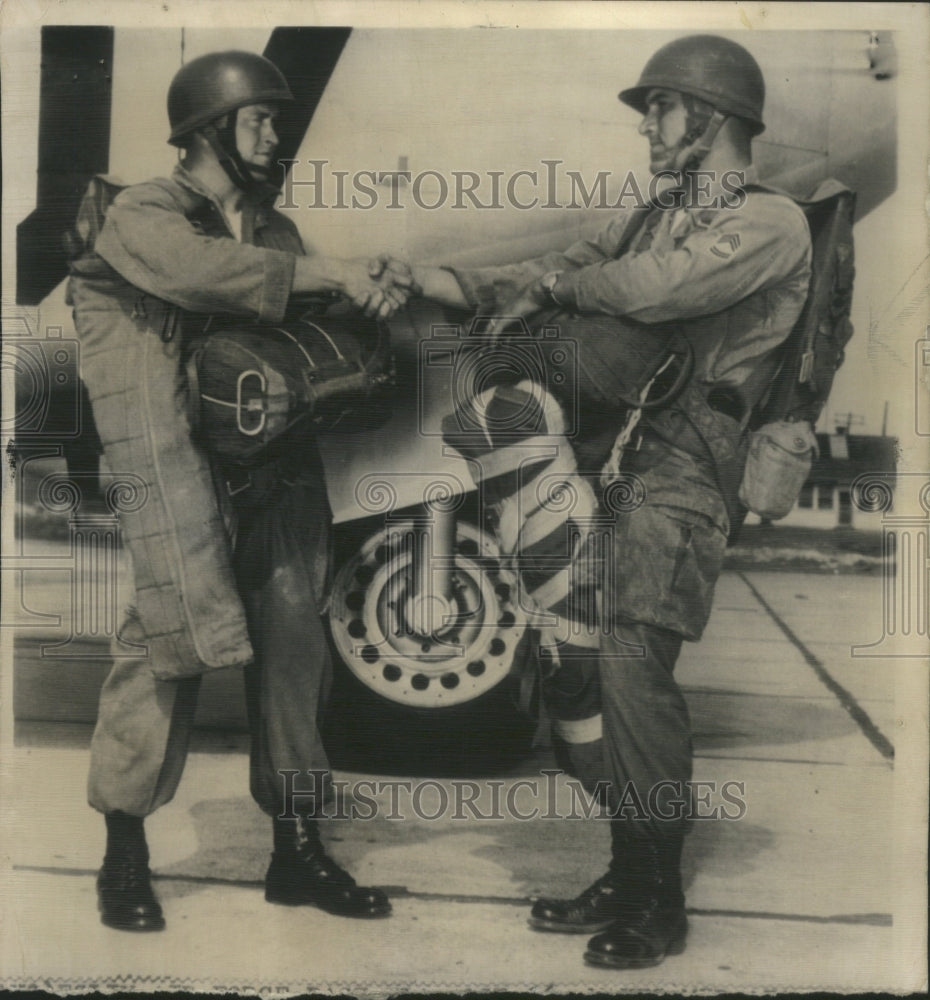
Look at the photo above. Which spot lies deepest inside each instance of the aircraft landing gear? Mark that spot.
(433, 643)
(425, 615)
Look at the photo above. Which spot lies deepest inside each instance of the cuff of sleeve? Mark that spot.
(478, 289)
(276, 286)
(565, 292)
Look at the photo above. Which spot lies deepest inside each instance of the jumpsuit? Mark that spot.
(169, 240)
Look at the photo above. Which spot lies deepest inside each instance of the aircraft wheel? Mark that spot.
(412, 700)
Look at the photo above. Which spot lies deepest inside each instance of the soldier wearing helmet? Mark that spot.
(715, 80)
(204, 98)
(732, 280)
(171, 253)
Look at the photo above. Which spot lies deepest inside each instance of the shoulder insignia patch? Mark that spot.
(726, 246)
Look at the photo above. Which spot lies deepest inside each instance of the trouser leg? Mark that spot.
(647, 729)
(667, 554)
(142, 735)
(278, 560)
(638, 903)
(281, 558)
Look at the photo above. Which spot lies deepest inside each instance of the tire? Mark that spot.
(365, 733)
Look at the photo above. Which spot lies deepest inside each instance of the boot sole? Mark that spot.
(553, 927)
(140, 927)
(137, 926)
(603, 961)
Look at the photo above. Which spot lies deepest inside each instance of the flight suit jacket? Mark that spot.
(166, 251)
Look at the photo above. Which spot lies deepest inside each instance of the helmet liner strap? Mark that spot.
(693, 155)
(223, 143)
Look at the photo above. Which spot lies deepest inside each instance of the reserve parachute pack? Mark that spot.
(782, 444)
(254, 383)
(251, 383)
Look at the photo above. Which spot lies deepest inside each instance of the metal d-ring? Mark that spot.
(255, 405)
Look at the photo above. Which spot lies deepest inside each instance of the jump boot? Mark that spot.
(301, 874)
(651, 922)
(124, 889)
(597, 907)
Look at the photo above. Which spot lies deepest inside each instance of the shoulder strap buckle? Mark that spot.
(807, 366)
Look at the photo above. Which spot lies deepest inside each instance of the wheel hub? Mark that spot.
(426, 650)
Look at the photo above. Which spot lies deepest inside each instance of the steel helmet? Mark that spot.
(712, 68)
(209, 86)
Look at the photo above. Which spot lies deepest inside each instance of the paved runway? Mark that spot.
(818, 885)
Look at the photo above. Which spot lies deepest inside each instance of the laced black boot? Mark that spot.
(595, 909)
(301, 874)
(651, 922)
(124, 889)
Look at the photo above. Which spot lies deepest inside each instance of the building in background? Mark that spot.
(826, 498)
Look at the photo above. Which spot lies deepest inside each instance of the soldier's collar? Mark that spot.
(719, 186)
(264, 195)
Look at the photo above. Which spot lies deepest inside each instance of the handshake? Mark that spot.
(379, 286)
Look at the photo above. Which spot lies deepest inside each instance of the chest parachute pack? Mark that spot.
(782, 444)
(252, 383)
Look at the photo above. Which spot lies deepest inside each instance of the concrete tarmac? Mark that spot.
(815, 882)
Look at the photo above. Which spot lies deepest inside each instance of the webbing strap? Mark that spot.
(694, 154)
(611, 467)
(728, 452)
(517, 510)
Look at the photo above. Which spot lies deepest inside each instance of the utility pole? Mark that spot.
(844, 422)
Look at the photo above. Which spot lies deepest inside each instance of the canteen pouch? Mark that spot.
(777, 465)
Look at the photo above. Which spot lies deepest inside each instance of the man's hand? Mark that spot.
(376, 287)
(529, 301)
(394, 272)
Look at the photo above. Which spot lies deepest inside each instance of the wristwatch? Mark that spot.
(548, 282)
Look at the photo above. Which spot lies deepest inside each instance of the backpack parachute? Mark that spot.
(782, 444)
(101, 191)
(816, 346)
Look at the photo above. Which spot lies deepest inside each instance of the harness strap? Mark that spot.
(193, 389)
(612, 467)
(728, 450)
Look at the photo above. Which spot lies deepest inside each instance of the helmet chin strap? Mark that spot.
(697, 141)
(222, 141)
